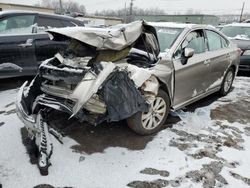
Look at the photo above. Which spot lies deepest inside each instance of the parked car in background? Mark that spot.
(239, 33)
(136, 72)
(246, 21)
(24, 44)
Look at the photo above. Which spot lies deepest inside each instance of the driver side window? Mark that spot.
(194, 40)
(21, 24)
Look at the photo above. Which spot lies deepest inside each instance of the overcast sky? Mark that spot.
(170, 6)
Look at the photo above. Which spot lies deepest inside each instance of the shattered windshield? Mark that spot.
(237, 32)
(167, 36)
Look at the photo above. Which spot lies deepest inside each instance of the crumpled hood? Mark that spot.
(113, 38)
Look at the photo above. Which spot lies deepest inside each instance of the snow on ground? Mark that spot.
(209, 147)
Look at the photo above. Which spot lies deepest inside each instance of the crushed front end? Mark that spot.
(91, 82)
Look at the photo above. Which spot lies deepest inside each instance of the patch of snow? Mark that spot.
(195, 121)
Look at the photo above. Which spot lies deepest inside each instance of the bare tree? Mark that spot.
(136, 11)
(190, 11)
(68, 6)
(193, 11)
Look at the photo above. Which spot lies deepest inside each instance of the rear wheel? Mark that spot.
(151, 121)
(227, 82)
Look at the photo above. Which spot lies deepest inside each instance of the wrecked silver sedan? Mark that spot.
(137, 72)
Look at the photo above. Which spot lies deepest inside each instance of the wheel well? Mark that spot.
(165, 89)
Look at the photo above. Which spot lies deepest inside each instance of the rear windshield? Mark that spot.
(167, 36)
(237, 31)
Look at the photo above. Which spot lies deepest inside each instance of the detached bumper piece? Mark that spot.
(44, 144)
(38, 130)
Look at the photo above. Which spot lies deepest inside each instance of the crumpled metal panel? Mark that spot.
(113, 38)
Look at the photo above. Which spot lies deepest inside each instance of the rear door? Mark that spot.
(219, 57)
(17, 50)
(190, 79)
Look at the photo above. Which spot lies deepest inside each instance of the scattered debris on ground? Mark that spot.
(239, 177)
(152, 171)
(208, 175)
(149, 184)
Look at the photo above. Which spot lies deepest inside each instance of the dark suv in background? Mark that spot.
(24, 44)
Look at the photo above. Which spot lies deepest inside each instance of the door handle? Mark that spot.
(27, 43)
(207, 62)
(228, 55)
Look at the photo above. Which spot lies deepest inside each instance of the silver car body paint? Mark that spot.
(198, 74)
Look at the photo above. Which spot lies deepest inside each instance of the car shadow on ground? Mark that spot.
(93, 139)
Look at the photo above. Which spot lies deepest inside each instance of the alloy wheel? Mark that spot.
(154, 117)
(228, 81)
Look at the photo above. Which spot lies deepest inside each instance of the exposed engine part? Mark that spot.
(76, 62)
(95, 105)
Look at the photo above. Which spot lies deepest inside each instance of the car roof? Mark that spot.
(180, 25)
(239, 24)
(170, 24)
(16, 12)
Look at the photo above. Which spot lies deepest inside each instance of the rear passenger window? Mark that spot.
(49, 22)
(214, 40)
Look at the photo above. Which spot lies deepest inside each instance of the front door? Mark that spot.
(191, 78)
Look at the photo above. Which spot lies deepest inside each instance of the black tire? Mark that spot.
(135, 122)
(225, 90)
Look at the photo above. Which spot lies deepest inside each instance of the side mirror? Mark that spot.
(34, 29)
(188, 52)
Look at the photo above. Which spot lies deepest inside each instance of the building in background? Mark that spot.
(98, 20)
(192, 18)
(8, 6)
(230, 18)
